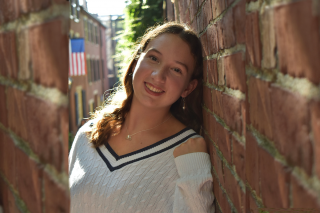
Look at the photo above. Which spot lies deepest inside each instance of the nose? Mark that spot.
(159, 74)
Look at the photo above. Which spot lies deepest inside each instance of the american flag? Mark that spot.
(77, 57)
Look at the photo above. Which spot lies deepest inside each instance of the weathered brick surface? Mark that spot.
(9, 11)
(207, 97)
(253, 46)
(57, 200)
(268, 39)
(170, 10)
(50, 38)
(7, 200)
(44, 139)
(17, 120)
(315, 124)
(212, 39)
(298, 40)
(252, 163)
(213, 71)
(260, 106)
(290, 114)
(64, 131)
(7, 153)
(238, 158)
(207, 13)
(205, 71)
(27, 6)
(274, 181)
(217, 7)
(3, 107)
(29, 176)
(235, 72)
(226, 35)
(239, 12)
(8, 55)
(303, 197)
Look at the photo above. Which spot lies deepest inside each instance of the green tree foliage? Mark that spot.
(139, 15)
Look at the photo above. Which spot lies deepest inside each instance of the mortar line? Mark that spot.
(35, 18)
(219, 17)
(233, 208)
(255, 197)
(228, 91)
(60, 178)
(18, 201)
(52, 95)
(226, 52)
(302, 86)
(241, 139)
(311, 183)
(231, 168)
(261, 5)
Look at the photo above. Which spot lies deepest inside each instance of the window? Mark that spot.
(85, 27)
(74, 10)
(102, 68)
(89, 70)
(97, 35)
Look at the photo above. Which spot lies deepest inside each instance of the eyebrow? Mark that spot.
(178, 62)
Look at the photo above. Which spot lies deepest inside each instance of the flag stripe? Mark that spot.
(77, 63)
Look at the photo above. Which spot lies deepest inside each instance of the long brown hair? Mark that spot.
(113, 113)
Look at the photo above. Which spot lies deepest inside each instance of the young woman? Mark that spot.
(143, 154)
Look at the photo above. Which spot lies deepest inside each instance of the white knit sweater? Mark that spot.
(146, 181)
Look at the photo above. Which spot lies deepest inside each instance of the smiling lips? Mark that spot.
(153, 89)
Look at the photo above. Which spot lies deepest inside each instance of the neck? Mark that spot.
(141, 117)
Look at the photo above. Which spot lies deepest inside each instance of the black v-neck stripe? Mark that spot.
(117, 157)
(111, 168)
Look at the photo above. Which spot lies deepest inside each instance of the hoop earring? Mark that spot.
(184, 104)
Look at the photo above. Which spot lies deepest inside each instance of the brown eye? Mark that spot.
(153, 58)
(177, 70)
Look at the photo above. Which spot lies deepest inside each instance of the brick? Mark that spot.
(303, 197)
(8, 55)
(64, 130)
(50, 38)
(204, 43)
(182, 8)
(200, 21)
(234, 191)
(207, 13)
(219, 167)
(9, 11)
(252, 163)
(3, 107)
(29, 176)
(239, 14)
(217, 7)
(235, 72)
(221, 72)
(207, 98)
(223, 139)
(24, 56)
(260, 106)
(226, 36)
(193, 7)
(291, 127)
(217, 103)
(27, 6)
(17, 121)
(315, 123)
(170, 10)
(205, 71)
(216, 189)
(194, 25)
(7, 153)
(252, 208)
(213, 71)
(232, 113)
(268, 39)
(238, 158)
(188, 21)
(44, 135)
(7, 199)
(57, 199)
(212, 150)
(205, 116)
(212, 38)
(253, 46)
(275, 180)
(297, 32)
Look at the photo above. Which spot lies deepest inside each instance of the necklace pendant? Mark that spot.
(128, 137)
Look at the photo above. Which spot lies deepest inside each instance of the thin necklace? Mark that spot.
(129, 137)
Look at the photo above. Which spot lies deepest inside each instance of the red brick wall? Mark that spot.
(261, 99)
(34, 106)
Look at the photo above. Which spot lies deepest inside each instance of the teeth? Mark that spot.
(152, 88)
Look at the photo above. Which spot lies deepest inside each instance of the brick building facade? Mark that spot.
(34, 106)
(261, 99)
(86, 92)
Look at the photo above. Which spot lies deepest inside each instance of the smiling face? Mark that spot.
(162, 73)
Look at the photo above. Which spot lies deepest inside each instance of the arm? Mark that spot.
(193, 191)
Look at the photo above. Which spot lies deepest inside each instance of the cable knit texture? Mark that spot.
(146, 181)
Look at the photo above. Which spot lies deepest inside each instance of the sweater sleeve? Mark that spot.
(193, 192)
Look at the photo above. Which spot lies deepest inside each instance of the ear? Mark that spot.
(191, 86)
